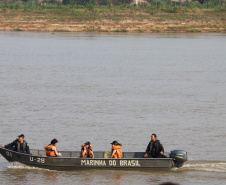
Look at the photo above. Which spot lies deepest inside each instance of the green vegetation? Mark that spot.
(114, 16)
(169, 6)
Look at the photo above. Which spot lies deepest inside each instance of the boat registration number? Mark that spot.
(38, 159)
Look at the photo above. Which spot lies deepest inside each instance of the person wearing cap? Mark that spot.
(51, 149)
(19, 145)
(154, 148)
(86, 150)
(116, 151)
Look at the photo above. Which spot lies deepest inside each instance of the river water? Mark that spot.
(101, 87)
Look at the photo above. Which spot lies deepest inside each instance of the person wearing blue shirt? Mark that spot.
(19, 145)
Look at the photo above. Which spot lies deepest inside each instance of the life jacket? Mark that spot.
(88, 152)
(24, 146)
(155, 148)
(118, 153)
(50, 151)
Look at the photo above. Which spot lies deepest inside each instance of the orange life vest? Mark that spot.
(49, 151)
(118, 153)
(88, 152)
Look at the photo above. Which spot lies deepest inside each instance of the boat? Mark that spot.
(71, 160)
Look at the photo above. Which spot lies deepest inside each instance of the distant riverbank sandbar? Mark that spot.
(112, 20)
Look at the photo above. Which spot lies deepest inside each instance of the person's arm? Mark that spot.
(92, 153)
(28, 149)
(83, 152)
(113, 153)
(10, 145)
(54, 149)
(147, 150)
(161, 149)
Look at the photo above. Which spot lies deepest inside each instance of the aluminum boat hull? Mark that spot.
(70, 160)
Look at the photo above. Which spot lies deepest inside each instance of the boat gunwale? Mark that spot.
(61, 157)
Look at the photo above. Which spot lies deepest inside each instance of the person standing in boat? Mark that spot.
(116, 151)
(86, 150)
(19, 145)
(154, 148)
(51, 149)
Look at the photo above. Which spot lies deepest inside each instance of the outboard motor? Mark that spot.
(179, 157)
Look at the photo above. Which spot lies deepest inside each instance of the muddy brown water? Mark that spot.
(101, 87)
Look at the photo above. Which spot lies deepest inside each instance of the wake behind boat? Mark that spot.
(70, 160)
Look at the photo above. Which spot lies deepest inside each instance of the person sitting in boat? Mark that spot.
(19, 145)
(51, 149)
(86, 150)
(116, 151)
(154, 148)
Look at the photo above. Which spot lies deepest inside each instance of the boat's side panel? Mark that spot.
(127, 163)
(9, 155)
(39, 161)
(77, 163)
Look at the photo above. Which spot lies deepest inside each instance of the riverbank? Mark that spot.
(113, 20)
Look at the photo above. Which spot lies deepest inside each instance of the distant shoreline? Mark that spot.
(116, 20)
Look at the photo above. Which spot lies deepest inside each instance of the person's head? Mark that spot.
(153, 137)
(87, 143)
(54, 142)
(168, 183)
(21, 137)
(115, 143)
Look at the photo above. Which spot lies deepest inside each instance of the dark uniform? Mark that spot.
(154, 148)
(18, 147)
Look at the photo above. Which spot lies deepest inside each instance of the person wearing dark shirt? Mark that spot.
(86, 150)
(19, 145)
(154, 148)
